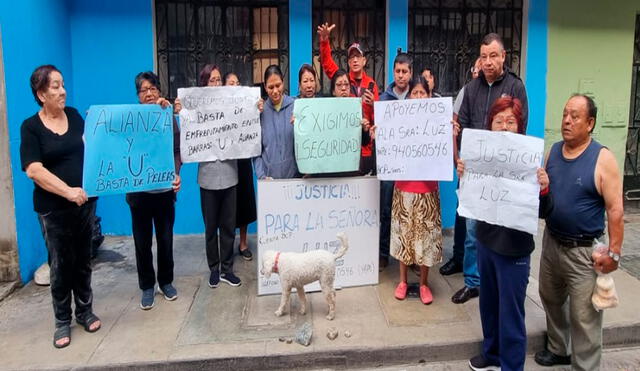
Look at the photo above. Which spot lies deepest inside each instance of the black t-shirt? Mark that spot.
(62, 155)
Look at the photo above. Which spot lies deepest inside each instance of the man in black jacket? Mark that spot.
(495, 81)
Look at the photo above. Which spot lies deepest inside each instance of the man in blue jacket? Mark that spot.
(397, 90)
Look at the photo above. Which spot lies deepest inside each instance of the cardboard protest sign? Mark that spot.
(414, 139)
(128, 148)
(304, 215)
(500, 183)
(219, 123)
(327, 134)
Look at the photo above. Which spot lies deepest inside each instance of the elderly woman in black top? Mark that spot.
(52, 154)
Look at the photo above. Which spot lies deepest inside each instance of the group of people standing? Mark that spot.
(579, 183)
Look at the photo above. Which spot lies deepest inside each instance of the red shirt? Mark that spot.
(417, 186)
(330, 67)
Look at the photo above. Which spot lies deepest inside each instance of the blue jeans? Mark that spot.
(386, 199)
(502, 294)
(470, 261)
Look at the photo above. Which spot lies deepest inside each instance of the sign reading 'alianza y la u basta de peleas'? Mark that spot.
(128, 148)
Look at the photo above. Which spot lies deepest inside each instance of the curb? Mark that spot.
(614, 337)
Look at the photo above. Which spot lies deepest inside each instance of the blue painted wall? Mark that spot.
(300, 40)
(111, 42)
(33, 33)
(397, 32)
(536, 65)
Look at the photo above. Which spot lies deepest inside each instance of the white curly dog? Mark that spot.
(299, 269)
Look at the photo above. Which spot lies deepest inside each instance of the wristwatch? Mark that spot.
(614, 256)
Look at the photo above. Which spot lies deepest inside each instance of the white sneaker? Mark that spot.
(41, 277)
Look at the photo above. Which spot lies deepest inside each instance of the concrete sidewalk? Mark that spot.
(232, 328)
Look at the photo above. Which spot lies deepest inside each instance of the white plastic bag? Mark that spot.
(604, 293)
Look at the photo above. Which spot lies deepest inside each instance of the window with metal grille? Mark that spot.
(445, 36)
(239, 36)
(360, 21)
(632, 165)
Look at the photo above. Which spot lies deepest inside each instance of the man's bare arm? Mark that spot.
(609, 184)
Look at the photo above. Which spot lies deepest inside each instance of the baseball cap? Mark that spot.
(354, 46)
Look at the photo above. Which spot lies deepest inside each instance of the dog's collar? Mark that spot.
(275, 263)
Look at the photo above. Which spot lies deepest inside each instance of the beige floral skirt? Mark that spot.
(416, 228)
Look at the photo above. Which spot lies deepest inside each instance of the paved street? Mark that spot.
(631, 248)
(625, 359)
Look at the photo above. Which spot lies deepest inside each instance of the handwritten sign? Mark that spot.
(128, 148)
(219, 123)
(305, 215)
(414, 139)
(500, 183)
(327, 134)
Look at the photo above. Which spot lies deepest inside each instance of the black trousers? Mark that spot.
(459, 235)
(386, 199)
(67, 234)
(219, 212)
(149, 210)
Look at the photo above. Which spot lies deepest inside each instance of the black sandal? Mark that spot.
(62, 332)
(87, 321)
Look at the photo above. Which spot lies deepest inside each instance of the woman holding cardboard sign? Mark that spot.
(52, 155)
(218, 182)
(416, 223)
(155, 209)
(504, 265)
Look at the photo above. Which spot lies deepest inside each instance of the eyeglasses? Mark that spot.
(508, 123)
(152, 89)
(342, 85)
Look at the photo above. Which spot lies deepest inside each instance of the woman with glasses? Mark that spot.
(341, 87)
(504, 265)
(155, 209)
(218, 182)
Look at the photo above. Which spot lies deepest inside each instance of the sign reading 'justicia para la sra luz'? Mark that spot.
(500, 183)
